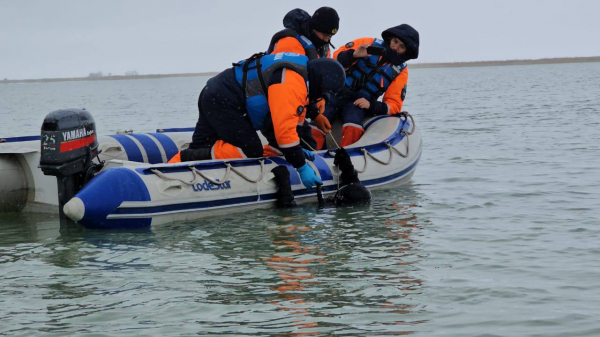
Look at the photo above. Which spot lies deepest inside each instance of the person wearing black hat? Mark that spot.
(305, 34)
(310, 36)
(374, 67)
(267, 93)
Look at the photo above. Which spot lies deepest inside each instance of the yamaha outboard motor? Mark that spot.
(68, 145)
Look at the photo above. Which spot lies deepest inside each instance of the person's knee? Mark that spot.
(353, 115)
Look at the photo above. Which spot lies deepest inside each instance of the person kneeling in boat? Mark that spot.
(383, 71)
(350, 192)
(269, 93)
(310, 36)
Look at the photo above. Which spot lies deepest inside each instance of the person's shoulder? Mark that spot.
(357, 42)
(290, 45)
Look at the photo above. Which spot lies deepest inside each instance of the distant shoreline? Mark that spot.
(508, 62)
(413, 66)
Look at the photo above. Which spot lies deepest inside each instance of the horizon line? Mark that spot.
(555, 60)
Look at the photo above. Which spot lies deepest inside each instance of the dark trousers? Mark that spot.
(342, 105)
(222, 116)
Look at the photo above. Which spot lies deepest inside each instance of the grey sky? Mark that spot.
(61, 38)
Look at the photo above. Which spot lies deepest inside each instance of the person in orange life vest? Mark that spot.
(310, 36)
(305, 34)
(267, 93)
(370, 76)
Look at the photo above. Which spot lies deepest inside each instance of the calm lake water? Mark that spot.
(497, 234)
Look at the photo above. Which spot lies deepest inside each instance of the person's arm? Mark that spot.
(393, 97)
(284, 100)
(288, 45)
(346, 54)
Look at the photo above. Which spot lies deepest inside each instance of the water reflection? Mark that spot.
(299, 272)
(292, 260)
(25, 228)
(344, 269)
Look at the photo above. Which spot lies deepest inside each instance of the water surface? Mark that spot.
(496, 235)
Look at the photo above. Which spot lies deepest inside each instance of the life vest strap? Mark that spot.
(261, 79)
(247, 67)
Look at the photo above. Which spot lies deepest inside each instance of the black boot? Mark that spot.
(285, 197)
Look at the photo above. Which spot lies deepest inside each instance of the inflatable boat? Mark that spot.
(25, 188)
(131, 186)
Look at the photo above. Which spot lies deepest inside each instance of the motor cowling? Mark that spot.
(68, 142)
(68, 146)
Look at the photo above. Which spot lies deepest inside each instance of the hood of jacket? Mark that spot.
(298, 20)
(408, 35)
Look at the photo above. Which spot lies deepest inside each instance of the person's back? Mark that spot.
(270, 93)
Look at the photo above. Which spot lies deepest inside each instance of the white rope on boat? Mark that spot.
(366, 161)
(398, 151)
(163, 176)
(406, 114)
(216, 182)
(379, 160)
(262, 172)
(333, 138)
(228, 171)
(390, 147)
(305, 143)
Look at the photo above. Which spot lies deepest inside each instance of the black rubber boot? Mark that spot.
(285, 197)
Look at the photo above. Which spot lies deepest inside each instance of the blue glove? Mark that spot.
(308, 176)
(308, 155)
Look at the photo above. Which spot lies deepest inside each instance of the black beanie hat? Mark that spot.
(325, 20)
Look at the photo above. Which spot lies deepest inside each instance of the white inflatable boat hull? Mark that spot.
(23, 186)
(129, 194)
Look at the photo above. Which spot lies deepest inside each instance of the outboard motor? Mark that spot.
(68, 145)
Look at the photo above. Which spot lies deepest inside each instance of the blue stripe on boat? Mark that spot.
(152, 151)
(324, 170)
(19, 139)
(176, 130)
(131, 148)
(167, 143)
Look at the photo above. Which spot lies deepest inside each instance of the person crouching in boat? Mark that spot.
(383, 71)
(350, 192)
(310, 36)
(269, 93)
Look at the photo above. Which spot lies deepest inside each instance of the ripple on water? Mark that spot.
(495, 235)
